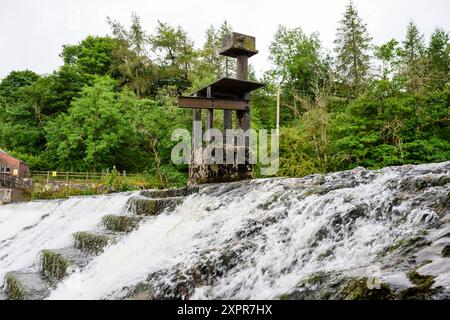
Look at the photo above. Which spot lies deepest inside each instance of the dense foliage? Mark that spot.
(112, 102)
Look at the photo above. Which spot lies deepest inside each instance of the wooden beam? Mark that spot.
(213, 103)
(209, 116)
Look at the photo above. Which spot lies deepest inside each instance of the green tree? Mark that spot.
(19, 126)
(176, 56)
(297, 59)
(298, 68)
(388, 55)
(413, 45)
(64, 85)
(228, 64)
(210, 64)
(210, 52)
(93, 55)
(11, 86)
(305, 145)
(131, 63)
(353, 50)
(438, 53)
(96, 133)
(388, 127)
(154, 122)
(414, 62)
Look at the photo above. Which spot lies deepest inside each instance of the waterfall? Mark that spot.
(257, 239)
(28, 228)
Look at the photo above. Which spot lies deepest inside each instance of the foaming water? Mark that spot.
(249, 240)
(260, 237)
(200, 222)
(28, 228)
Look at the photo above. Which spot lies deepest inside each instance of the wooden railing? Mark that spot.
(68, 176)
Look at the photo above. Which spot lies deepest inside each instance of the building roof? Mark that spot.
(229, 86)
(9, 155)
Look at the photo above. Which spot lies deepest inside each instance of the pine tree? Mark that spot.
(415, 66)
(228, 64)
(413, 46)
(438, 53)
(131, 63)
(352, 49)
(210, 52)
(387, 55)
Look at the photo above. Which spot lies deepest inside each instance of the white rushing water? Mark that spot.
(258, 238)
(28, 228)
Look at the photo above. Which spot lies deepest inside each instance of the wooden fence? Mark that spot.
(49, 176)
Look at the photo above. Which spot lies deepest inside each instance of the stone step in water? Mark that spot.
(149, 207)
(117, 223)
(94, 242)
(26, 286)
(168, 193)
(56, 264)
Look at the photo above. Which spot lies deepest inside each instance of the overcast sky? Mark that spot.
(32, 32)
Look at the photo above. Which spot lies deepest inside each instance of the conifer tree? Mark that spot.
(413, 45)
(438, 53)
(353, 49)
(228, 64)
(415, 69)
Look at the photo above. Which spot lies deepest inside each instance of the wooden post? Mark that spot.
(196, 137)
(242, 117)
(227, 119)
(209, 115)
(242, 68)
(196, 117)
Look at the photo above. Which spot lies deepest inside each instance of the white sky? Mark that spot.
(32, 32)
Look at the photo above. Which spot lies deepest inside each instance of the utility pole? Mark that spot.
(278, 108)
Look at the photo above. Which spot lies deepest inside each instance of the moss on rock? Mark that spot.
(357, 289)
(54, 264)
(92, 242)
(446, 251)
(14, 288)
(120, 223)
(409, 245)
(167, 193)
(422, 289)
(336, 286)
(319, 285)
(151, 207)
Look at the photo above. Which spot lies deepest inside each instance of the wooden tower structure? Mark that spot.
(230, 95)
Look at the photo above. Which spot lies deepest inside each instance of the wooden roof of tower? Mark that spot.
(229, 87)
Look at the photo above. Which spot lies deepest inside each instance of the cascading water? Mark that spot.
(312, 237)
(28, 228)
